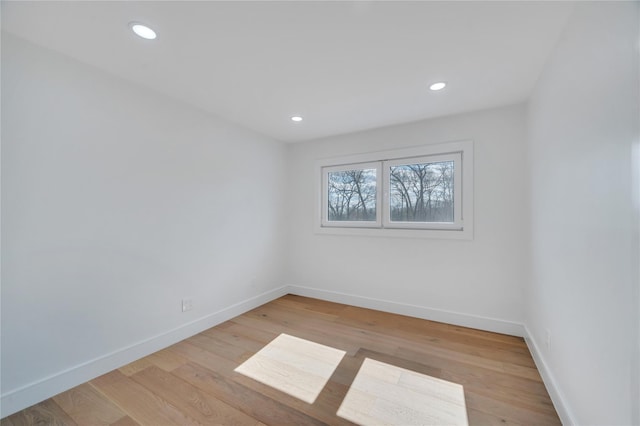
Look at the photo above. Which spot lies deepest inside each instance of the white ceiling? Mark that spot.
(343, 66)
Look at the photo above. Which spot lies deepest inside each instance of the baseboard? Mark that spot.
(559, 402)
(18, 399)
(433, 314)
(25, 396)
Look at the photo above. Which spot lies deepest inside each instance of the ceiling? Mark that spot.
(343, 66)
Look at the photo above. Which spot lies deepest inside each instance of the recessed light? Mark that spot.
(438, 86)
(143, 31)
(296, 118)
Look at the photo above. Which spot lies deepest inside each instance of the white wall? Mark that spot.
(583, 125)
(116, 204)
(480, 278)
(115, 207)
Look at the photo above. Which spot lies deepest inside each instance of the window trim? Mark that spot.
(463, 232)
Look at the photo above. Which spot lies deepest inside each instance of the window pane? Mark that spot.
(421, 192)
(352, 195)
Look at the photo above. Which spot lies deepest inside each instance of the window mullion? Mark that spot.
(385, 194)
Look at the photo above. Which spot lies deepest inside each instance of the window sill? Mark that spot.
(444, 234)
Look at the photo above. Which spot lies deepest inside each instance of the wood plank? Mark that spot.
(400, 330)
(282, 321)
(295, 366)
(141, 404)
(202, 406)
(479, 418)
(204, 357)
(44, 413)
(257, 334)
(461, 372)
(400, 362)
(508, 411)
(475, 361)
(125, 421)
(228, 337)
(87, 406)
(134, 367)
(489, 387)
(253, 403)
(387, 394)
(167, 360)
(323, 409)
(355, 315)
(219, 347)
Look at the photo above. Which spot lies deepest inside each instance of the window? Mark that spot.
(426, 191)
(422, 192)
(351, 195)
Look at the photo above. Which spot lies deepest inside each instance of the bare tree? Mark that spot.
(352, 195)
(422, 192)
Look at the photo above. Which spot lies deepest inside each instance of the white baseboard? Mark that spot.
(566, 416)
(25, 396)
(433, 314)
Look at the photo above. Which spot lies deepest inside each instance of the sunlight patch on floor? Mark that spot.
(292, 365)
(383, 394)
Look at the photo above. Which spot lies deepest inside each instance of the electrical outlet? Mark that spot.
(548, 339)
(187, 305)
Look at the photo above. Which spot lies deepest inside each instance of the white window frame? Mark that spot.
(461, 228)
(325, 196)
(457, 224)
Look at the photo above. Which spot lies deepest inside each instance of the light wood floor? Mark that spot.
(193, 382)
